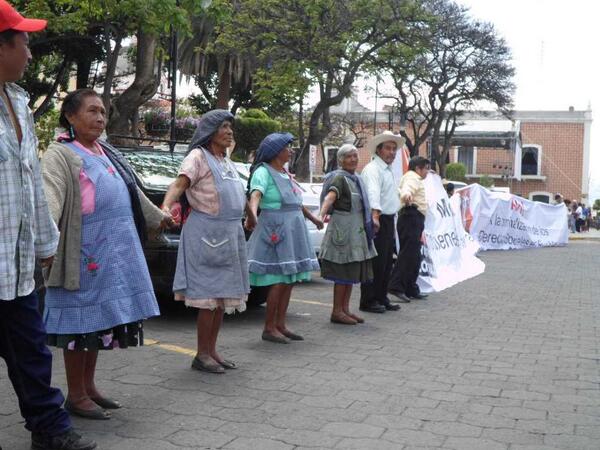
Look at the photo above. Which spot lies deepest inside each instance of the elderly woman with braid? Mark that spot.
(279, 250)
(347, 247)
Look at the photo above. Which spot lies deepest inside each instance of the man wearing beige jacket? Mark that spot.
(411, 222)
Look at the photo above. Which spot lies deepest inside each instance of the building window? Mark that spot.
(531, 160)
(466, 156)
(544, 197)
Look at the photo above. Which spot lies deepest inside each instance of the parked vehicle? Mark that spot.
(155, 170)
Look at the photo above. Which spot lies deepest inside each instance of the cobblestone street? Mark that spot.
(508, 361)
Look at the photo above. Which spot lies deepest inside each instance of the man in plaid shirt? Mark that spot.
(28, 232)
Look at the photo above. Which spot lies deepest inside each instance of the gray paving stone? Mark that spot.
(571, 442)
(205, 439)
(512, 436)
(362, 444)
(353, 430)
(519, 413)
(465, 443)
(258, 444)
(413, 437)
(453, 429)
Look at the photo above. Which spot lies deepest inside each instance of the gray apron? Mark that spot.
(212, 259)
(345, 240)
(280, 244)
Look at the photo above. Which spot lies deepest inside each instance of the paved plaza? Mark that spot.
(508, 361)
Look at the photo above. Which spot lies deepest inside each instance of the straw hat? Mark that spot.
(384, 137)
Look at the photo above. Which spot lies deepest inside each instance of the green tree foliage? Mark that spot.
(325, 43)
(596, 204)
(456, 172)
(251, 127)
(463, 63)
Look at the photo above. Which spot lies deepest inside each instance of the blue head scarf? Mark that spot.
(268, 149)
(271, 146)
(207, 126)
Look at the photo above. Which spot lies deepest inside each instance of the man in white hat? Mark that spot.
(383, 197)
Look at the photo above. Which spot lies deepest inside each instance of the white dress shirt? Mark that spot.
(381, 186)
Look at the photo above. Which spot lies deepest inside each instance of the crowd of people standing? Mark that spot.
(81, 215)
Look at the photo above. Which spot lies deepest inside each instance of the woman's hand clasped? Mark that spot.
(318, 223)
(250, 222)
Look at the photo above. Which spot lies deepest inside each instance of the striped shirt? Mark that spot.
(27, 228)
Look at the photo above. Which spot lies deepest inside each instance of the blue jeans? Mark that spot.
(23, 347)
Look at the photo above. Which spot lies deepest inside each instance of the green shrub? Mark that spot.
(486, 181)
(251, 127)
(45, 128)
(456, 172)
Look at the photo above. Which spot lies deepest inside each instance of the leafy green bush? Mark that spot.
(251, 127)
(45, 128)
(456, 172)
(486, 181)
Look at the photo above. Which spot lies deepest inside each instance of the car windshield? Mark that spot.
(157, 170)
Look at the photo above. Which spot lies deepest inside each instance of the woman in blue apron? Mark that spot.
(212, 262)
(279, 251)
(98, 288)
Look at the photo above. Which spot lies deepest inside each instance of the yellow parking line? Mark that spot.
(171, 347)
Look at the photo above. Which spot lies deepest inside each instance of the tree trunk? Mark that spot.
(47, 103)
(315, 136)
(142, 89)
(111, 64)
(84, 67)
(224, 89)
(301, 122)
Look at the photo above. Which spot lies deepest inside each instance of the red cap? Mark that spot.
(10, 19)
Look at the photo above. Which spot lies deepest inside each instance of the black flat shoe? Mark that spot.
(419, 296)
(106, 403)
(197, 364)
(276, 339)
(92, 414)
(391, 307)
(378, 309)
(66, 441)
(228, 365)
(293, 336)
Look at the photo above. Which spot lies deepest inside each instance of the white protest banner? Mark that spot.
(500, 221)
(449, 252)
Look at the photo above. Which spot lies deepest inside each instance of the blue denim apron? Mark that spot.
(212, 260)
(115, 286)
(280, 244)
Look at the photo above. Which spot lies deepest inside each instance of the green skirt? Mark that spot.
(271, 279)
(347, 273)
(121, 336)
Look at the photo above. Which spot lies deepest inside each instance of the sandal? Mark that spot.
(92, 414)
(198, 364)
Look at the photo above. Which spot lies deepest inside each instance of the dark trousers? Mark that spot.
(375, 292)
(406, 270)
(23, 347)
